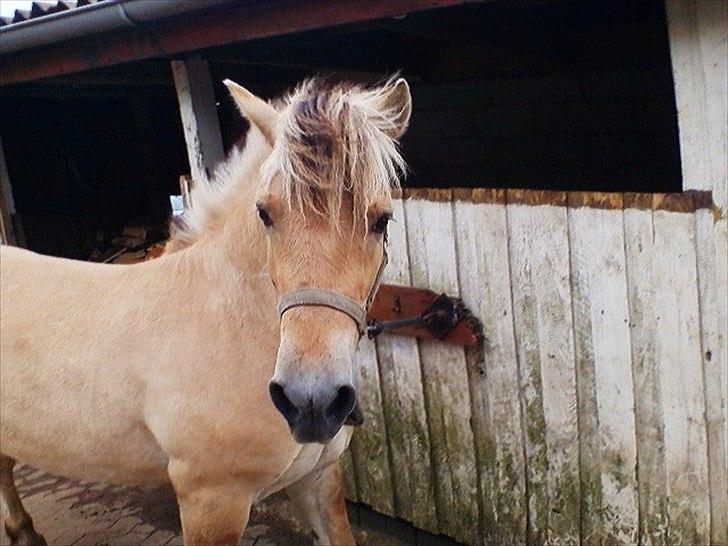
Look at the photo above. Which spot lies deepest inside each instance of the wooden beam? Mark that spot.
(199, 116)
(9, 235)
(240, 22)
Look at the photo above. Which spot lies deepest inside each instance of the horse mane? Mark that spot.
(333, 141)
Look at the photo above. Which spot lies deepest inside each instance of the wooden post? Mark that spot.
(186, 185)
(8, 233)
(199, 116)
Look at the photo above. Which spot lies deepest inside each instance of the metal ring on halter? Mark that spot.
(312, 296)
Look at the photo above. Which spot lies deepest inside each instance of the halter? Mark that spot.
(320, 297)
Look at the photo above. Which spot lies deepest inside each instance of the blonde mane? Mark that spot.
(333, 141)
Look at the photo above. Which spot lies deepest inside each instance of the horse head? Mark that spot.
(325, 201)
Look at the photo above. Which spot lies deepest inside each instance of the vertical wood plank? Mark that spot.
(604, 377)
(484, 277)
(671, 429)
(650, 430)
(542, 315)
(369, 443)
(431, 244)
(712, 254)
(197, 107)
(678, 351)
(404, 402)
(347, 465)
(698, 33)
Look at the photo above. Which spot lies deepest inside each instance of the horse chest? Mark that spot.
(310, 458)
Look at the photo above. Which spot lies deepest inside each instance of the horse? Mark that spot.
(224, 366)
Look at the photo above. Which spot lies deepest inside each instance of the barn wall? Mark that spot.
(583, 416)
(596, 409)
(699, 48)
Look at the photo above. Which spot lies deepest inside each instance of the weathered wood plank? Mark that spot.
(678, 352)
(404, 402)
(347, 465)
(698, 33)
(369, 443)
(604, 377)
(199, 116)
(712, 254)
(650, 429)
(484, 277)
(542, 316)
(431, 243)
(670, 401)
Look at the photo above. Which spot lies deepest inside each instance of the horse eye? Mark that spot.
(265, 217)
(380, 226)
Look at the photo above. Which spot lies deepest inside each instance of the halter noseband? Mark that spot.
(320, 297)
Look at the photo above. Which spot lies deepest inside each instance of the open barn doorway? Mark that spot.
(563, 95)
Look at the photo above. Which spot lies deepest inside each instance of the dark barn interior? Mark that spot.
(566, 95)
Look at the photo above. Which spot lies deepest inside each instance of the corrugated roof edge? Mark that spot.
(43, 9)
(95, 17)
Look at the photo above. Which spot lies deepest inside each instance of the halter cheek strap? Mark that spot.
(321, 297)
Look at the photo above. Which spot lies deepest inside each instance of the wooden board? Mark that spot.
(712, 255)
(652, 487)
(198, 111)
(369, 442)
(678, 354)
(431, 243)
(404, 403)
(670, 406)
(542, 315)
(347, 465)
(607, 450)
(699, 52)
(484, 277)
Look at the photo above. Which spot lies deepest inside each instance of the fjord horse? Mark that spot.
(226, 366)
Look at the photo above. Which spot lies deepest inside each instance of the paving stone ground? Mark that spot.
(70, 512)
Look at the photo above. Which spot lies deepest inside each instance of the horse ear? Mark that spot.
(397, 103)
(256, 110)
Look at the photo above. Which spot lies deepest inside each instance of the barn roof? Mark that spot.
(43, 9)
(98, 33)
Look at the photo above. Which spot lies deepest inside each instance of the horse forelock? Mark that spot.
(332, 143)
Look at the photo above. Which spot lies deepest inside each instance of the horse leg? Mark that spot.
(18, 523)
(320, 497)
(212, 513)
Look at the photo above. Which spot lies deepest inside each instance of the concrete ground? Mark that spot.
(69, 512)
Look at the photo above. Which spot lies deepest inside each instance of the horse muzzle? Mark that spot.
(314, 414)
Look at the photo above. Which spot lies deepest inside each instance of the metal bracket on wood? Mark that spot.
(421, 313)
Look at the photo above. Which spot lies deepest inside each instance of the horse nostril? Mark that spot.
(283, 403)
(342, 404)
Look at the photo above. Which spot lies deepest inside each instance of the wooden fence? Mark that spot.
(582, 418)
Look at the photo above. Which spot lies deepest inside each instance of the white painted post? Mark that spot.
(199, 116)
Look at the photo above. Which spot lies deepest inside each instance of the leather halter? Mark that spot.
(320, 297)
